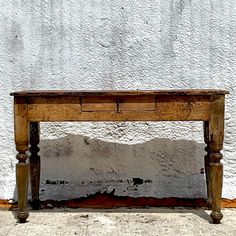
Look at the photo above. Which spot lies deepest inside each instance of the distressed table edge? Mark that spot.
(55, 93)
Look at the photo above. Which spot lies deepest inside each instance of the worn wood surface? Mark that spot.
(22, 168)
(22, 172)
(118, 108)
(160, 105)
(216, 145)
(105, 103)
(49, 93)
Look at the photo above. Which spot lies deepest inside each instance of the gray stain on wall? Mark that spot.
(97, 166)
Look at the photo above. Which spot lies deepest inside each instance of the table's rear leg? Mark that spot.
(22, 168)
(34, 161)
(216, 145)
(207, 162)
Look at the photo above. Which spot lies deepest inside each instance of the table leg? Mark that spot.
(34, 161)
(216, 145)
(22, 168)
(207, 162)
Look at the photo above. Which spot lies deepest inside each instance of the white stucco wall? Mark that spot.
(133, 44)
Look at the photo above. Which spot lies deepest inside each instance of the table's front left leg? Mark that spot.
(216, 167)
(22, 168)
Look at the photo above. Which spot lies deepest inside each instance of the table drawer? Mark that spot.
(119, 104)
(99, 104)
(137, 103)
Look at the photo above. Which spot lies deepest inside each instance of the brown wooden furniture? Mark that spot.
(32, 107)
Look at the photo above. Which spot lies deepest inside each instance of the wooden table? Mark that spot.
(32, 107)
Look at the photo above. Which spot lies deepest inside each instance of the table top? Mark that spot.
(52, 93)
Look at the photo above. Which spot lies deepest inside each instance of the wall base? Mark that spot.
(104, 200)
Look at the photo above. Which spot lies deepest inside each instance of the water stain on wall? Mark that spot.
(87, 165)
(57, 149)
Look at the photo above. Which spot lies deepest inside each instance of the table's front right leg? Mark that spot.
(216, 145)
(22, 168)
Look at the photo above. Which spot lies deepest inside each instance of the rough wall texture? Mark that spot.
(134, 44)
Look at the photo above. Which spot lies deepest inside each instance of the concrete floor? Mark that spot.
(122, 221)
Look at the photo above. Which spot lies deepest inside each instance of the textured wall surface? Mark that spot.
(133, 44)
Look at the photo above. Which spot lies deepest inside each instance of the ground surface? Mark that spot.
(152, 221)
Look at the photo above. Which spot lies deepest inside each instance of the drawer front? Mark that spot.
(137, 103)
(99, 104)
(118, 104)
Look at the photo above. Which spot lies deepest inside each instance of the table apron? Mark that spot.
(111, 108)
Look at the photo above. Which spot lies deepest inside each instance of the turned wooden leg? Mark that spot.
(216, 176)
(34, 161)
(22, 187)
(22, 168)
(207, 162)
(216, 145)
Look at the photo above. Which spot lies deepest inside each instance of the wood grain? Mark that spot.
(216, 145)
(22, 168)
(115, 108)
(106, 103)
(49, 93)
(136, 103)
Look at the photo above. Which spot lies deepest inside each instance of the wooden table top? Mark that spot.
(54, 93)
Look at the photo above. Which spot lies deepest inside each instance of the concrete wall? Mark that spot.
(133, 44)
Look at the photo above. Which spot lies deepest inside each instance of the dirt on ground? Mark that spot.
(121, 221)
